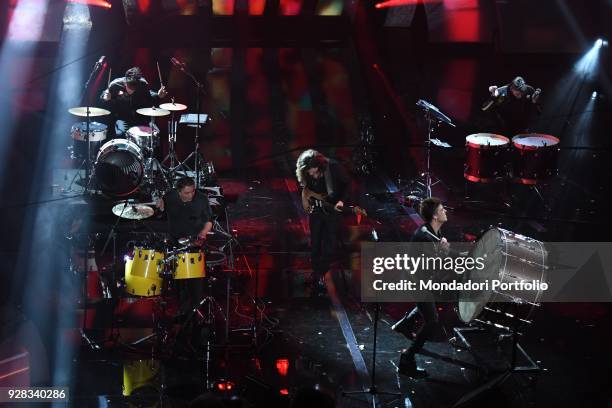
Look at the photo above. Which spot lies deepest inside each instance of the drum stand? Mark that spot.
(152, 164)
(499, 379)
(171, 156)
(198, 159)
(426, 180)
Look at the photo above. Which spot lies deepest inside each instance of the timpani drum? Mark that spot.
(486, 155)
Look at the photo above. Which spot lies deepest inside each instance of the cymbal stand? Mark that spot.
(427, 178)
(171, 156)
(198, 159)
(153, 164)
(95, 69)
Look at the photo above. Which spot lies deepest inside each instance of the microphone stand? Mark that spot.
(85, 97)
(196, 153)
(373, 389)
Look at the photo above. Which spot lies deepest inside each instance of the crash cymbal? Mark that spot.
(133, 211)
(93, 111)
(152, 111)
(173, 107)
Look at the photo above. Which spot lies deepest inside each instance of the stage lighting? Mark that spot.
(594, 95)
(600, 42)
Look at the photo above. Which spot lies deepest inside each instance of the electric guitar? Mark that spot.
(312, 201)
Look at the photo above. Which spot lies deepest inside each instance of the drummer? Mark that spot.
(189, 216)
(127, 94)
(511, 106)
(434, 214)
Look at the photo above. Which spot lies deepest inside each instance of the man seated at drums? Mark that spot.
(189, 216)
(434, 244)
(127, 94)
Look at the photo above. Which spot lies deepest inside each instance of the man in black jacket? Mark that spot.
(189, 216)
(433, 245)
(127, 94)
(327, 178)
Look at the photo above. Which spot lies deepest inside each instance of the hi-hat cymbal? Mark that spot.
(93, 111)
(133, 211)
(152, 111)
(173, 107)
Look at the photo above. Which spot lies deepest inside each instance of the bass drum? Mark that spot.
(119, 167)
(508, 257)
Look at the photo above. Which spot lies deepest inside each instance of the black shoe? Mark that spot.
(404, 326)
(408, 367)
(318, 288)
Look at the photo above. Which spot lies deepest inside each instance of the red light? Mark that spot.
(96, 3)
(223, 386)
(282, 366)
(284, 391)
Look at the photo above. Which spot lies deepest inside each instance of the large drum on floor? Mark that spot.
(509, 257)
(119, 167)
(146, 137)
(534, 157)
(486, 155)
(142, 272)
(190, 265)
(97, 135)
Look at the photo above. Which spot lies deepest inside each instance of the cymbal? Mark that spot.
(152, 111)
(173, 107)
(133, 211)
(93, 111)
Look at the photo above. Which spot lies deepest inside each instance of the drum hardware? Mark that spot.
(175, 163)
(434, 118)
(88, 112)
(151, 164)
(200, 89)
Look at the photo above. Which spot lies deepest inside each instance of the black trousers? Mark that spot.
(429, 314)
(190, 293)
(323, 229)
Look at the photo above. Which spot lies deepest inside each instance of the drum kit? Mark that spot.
(120, 167)
(528, 159)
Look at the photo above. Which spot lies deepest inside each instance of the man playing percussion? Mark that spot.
(127, 94)
(434, 215)
(189, 216)
(512, 105)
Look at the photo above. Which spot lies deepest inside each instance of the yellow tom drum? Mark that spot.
(190, 265)
(142, 272)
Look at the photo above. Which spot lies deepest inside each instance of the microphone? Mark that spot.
(425, 230)
(177, 62)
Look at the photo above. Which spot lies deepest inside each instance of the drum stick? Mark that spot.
(110, 70)
(161, 83)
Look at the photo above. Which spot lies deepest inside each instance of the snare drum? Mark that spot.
(190, 265)
(97, 134)
(486, 155)
(145, 137)
(508, 257)
(142, 272)
(534, 157)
